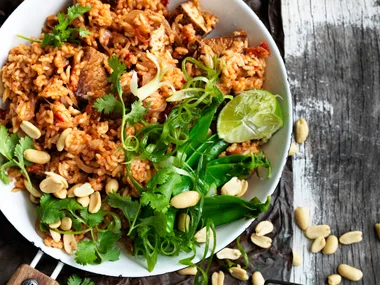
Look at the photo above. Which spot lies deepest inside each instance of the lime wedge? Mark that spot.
(252, 115)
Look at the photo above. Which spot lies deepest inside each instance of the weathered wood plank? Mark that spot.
(332, 55)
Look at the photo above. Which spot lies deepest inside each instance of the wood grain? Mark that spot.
(26, 272)
(332, 55)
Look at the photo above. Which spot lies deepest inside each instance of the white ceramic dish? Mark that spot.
(233, 14)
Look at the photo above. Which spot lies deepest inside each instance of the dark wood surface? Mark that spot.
(333, 60)
(274, 263)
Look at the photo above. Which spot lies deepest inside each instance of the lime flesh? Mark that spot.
(252, 115)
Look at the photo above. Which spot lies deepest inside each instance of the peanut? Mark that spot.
(33, 199)
(318, 244)
(301, 130)
(201, 235)
(263, 228)
(217, 278)
(235, 187)
(183, 222)
(70, 192)
(349, 272)
(83, 190)
(351, 237)
(32, 190)
(62, 194)
(377, 228)
(239, 273)
(331, 245)
(112, 186)
(302, 216)
(257, 278)
(51, 185)
(293, 149)
(58, 177)
(95, 203)
(62, 138)
(334, 279)
(69, 243)
(261, 241)
(84, 201)
(55, 236)
(191, 270)
(30, 129)
(228, 253)
(297, 259)
(66, 224)
(55, 225)
(185, 200)
(314, 232)
(37, 156)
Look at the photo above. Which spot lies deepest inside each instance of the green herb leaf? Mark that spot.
(86, 253)
(158, 222)
(107, 240)
(136, 114)
(75, 280)
(125, 204)
(83, 32)
(112, 255)
(7, 143)
(51, 209)
(76, 11)
(23, 144)
(108, 104)
(92, 220)
(118, 69)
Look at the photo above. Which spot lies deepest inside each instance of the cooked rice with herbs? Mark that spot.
(127, 91)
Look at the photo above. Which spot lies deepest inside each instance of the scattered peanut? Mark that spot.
(318, 244)
(261, 241)
(331, 245)
(84, 201)
(201, 235)
(83, 190)
(349, 272)
(185, 200)
(69, 243)
(217, 278)
(334, 279)
(32, 190)
(191, 270)
(377, 228)
(58, 177)
(235, 187)
(55, 225)
(51, 185)
(351, 237)
(228, 253)
(70, 192)
(33, 199)
(95, 203)
(239, 273)
(257, 278)
(314, 232)
(30, 129)
(297, 259)
(301, 130)
(62, 194)
(293, 149)
(66, 224)
(55, 236)
(62, 138)
(263, 228)
(183, 222)
(37, 156)
(112, 186)
(302, 216)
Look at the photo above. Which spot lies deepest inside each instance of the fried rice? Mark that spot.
(55, 88)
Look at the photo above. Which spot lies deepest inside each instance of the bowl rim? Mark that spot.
(244, 223)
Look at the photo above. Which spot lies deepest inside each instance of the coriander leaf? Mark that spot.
(23, 144)
(125, 204)
(76, 11)
(158, 222)
(118, 69)
(136, 114)
(7, 143)
(4, 176)
(75, 280)
(112, 255)
(107, 240)
(83, 32)
(86, 253)
(160, 189)
(92, 220)
(50, 209)
(108, 104)
(77, 223)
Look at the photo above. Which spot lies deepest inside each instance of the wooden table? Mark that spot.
(332, 56)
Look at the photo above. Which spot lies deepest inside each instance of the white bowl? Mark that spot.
(28, 19)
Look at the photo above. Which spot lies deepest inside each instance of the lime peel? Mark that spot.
(252, 115)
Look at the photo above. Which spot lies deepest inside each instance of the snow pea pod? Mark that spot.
(224, 209)
(194, 157)
(215, 150)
